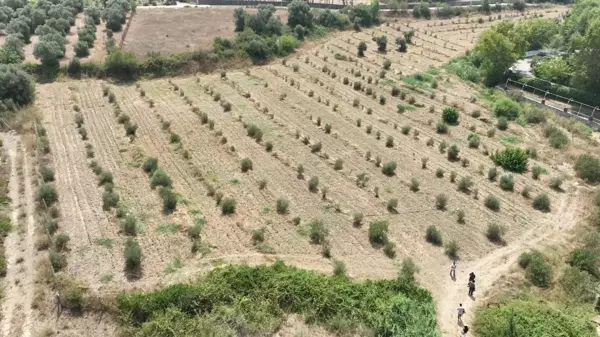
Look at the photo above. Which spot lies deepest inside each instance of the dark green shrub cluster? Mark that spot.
(511, 159)
(389, 168)
(537, 270)
(433, 235)
(541, 202)
(133, 257)
(492, 203)
(557, 138)
(495, 232)
(317, 232)
(254, 132)
(450, 116)
(228, 206)
(507, 108)
(507, 182)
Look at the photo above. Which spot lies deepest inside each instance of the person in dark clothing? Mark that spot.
(472, 277)
(471, 288)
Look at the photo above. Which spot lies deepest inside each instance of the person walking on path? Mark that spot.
(471, 288)
(460, 311)
(472, 277)
(463, 333)
(453, 270)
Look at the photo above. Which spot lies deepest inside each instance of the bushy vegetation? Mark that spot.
(495, 232)
(533, 319)
(450, 116)
(511, 159)
(433, 235)
(588, 168)
(389, 168)
(378, 232)
(384, 307)
(492, 203)
(507, 108)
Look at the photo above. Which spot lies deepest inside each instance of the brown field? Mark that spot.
(154, 30)
(287, 106)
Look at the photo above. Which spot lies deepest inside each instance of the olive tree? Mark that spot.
(15, 85)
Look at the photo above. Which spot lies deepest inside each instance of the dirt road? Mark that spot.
(20, 253)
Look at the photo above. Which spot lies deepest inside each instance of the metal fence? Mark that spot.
(582, 112)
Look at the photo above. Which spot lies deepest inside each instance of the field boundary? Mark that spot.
(126, 29)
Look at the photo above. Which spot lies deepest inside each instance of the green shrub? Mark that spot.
(130, 129)
(465, 184)
(133, 256)
(389, 141)
(492, 203)
(392, 205)
(539, 273)
(317, 231)
(532, 318)
(511, 159)
(451, 249)
(269, 146)
(585, 259)
(246, 164)
(313, 183)
(282, 206)
(556, 136)
(389, 168)
(378, 232)
(507, 182)
(433, 235)
(450, 116)
(228, 206)
(414, 185)
(258, 235)
(526, 257)
(555, 183)
(541, 202)
(57, 261)
(109, 200)
(339, 268)
(579, 285)
(46, 194)
(492, 174)
(453, 152)
(439, 173)
(195, 230)
(441, 127)
(316, 147)
(150, 165)
(47, 173)
(502, 123)
(174, 138)
(495, 232)
(507, 108)
(169, 200)
(536, 171)
(588, 168)
(534, 115)
(474, 140)
(460, 216)
(440, 201)
(160, 178)
(129, 225)
(61, 241)
(123, 119)
(389, 249)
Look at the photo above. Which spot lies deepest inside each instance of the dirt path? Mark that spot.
(493, 266)
(19, 282)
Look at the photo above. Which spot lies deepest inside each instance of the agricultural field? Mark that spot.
(139, 206)
(300, 160)
(152, 29)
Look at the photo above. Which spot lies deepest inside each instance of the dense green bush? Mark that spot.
(556, 136)
(378, 232)
(169, 200)
(495, 232)
(16, 85)
(441, 127)
(492, 203)
(532, 319)
(47, 194)
(129, 225)
(541, 202)
(588, 168)
(263, 296)
(507, 182)
(389, 168)
(579, 285)
(433, 235)
(450, 116)
(121, 65)
(133, 257)
(451, 249)
(511, 159)
(585, 259)
(539, 272)
(246, 164)
(507, 108)
(150, 165)
(228, 206)
(160, 178)
(282, 206)
(317, 231)
(440, 201)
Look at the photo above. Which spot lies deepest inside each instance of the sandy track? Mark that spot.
(19, 245)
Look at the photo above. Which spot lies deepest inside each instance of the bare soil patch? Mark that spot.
(172, 30)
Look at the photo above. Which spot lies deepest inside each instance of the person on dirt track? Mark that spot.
(464, 332)
(453, 270)
(472, 277)
(471, 288)
(460, 311)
